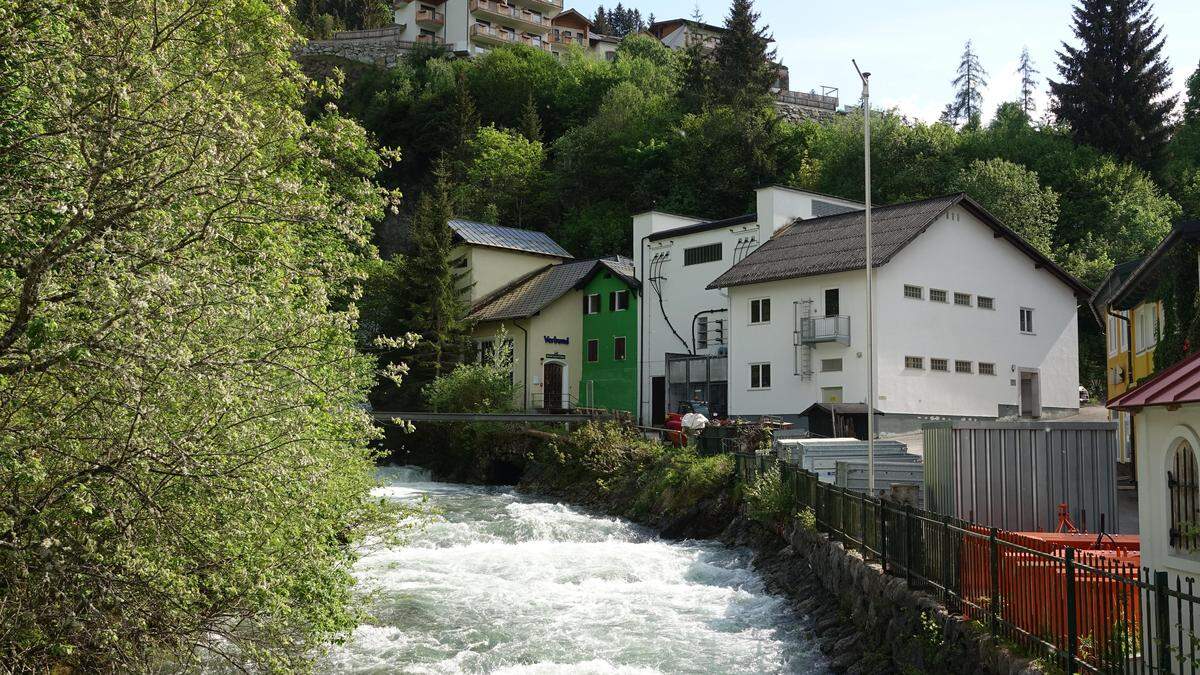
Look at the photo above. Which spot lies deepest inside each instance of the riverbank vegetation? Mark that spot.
(183, 450)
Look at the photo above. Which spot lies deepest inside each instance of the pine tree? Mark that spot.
(948, 116)
(697, 15)
(972, 78)
(1028, 73)
(432, 300)
(1112, 87)
(695, 78)
(600, 22)
(531, 123)
(463, 117)
(742, 61)
(1191, 105)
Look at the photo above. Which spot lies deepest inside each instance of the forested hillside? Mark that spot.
(575, 146)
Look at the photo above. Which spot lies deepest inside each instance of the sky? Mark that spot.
(912, 47)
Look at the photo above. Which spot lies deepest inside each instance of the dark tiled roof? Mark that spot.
(1176, 385)
(1112, 282)
(483, 234)
(1146, 276)
(702, 227)
(534, 291)
(837, 243)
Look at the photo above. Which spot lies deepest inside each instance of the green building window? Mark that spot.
(619, 349)
(593, 351)
(618, 301)
(591, 303)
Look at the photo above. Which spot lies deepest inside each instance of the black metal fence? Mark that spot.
(1093, 610)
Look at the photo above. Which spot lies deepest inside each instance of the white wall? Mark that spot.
(957, 253)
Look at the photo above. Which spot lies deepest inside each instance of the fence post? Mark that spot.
(883, 560)
(994, 554)
(1162, 620)
(1072, 628)
(862, 525)
(908, 544)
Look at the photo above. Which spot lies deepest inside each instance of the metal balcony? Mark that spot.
(511, 15)
(815, 330)
(429, 17)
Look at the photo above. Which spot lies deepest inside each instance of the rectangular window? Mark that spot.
(963, 367)
(593, 351)
(914, 292)
(618, 301)
(984, 302)
(831, 365)
(760, 310)
(987, 368)
(485, 350)
(702, 332)
(962, 299)
(833, 302)
(1026, 320)
(619, 349)
(914, 362)
(940, 365)
(760, 376)
(591, 303)
(702, 254)
(937, 295)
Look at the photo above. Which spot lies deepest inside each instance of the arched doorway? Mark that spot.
(553, 385)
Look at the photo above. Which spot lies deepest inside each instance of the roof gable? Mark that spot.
(498, 236)
(1145, 277)
(531, 293)
(837, 243)
(1176, 385)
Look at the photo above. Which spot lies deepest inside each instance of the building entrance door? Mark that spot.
(552, 386)
(1031, 405)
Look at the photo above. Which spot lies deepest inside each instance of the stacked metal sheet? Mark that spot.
(821, 455)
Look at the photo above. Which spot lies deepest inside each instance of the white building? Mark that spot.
(972, 322)
(475, 26)
(676, 257)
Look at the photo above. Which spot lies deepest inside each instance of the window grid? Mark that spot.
(1184, 497)
(831, 365)
(702, 254)
(962, 299)
(1026, 320)
(937, 295)
(984, 302)
(987, 368)
(940, 365)
(914, 292)
(963, 367)
(760, 310)
(914, 362)
(760, 376)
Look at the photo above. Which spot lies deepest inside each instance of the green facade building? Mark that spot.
(610, 356)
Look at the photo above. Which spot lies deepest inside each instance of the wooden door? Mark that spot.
(552, 386)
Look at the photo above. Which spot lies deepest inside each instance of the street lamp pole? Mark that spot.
(866, 110)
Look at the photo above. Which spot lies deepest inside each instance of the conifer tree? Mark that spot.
(531, 123)
(600, 22)
(463, 117)
(695, 83)
(1028, 73)
(971, 79)
(434, 304)
(743, 71)
(697, 15)
(1112, 86)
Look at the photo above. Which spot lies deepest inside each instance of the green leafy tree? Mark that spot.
(503, 178)
(969, 84)
(1012, 194)
(743, 69)
(1112, 87)
(1183, 168)
(183, 450)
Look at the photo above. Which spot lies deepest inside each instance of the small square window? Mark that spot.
(618, 301)
(831, 365)
(914, 362)
(593, 351)
(591, 303)
(619, 349)
(760, 376)
(987, 368)
(940, 365)
(760, 310)
(984, 302)
(937, 295)
(914, 292)
(1026, 320)
(963, 367)
(962, 299)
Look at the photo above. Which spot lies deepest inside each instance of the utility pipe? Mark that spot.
(866, 109)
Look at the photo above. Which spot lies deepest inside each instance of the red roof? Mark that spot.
(1178, 384)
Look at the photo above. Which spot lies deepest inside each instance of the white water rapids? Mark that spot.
(502, 583)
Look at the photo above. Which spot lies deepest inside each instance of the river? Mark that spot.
(501, 582)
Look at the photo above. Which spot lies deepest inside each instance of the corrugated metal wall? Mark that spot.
(1013, 475)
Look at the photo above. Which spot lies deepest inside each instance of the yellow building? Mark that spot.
(487, 257)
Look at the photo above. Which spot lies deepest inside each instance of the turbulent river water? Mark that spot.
(500, 582)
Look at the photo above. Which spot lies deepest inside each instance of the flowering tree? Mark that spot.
(182, 452)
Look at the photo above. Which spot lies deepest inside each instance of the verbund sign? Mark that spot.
(552, 340)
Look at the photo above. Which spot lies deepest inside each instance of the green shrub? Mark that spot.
(476, 387)
(767, 498)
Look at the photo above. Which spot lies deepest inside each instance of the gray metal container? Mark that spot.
(852, 474)
(1013, 475)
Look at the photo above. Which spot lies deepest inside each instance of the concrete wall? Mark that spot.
(490, 268)
(1159, 432)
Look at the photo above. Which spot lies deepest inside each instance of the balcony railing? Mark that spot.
(815, 330)
(565, 38)
(510, 13)
(543, 4)
(429, 17)
(492, 34)
(428, 40)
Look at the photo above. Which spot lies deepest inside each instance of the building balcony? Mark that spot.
(495, 36)
(815, 330)
(542, 5)
(564, 38)
(429, 40)
(430, 18)
(511, 15)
